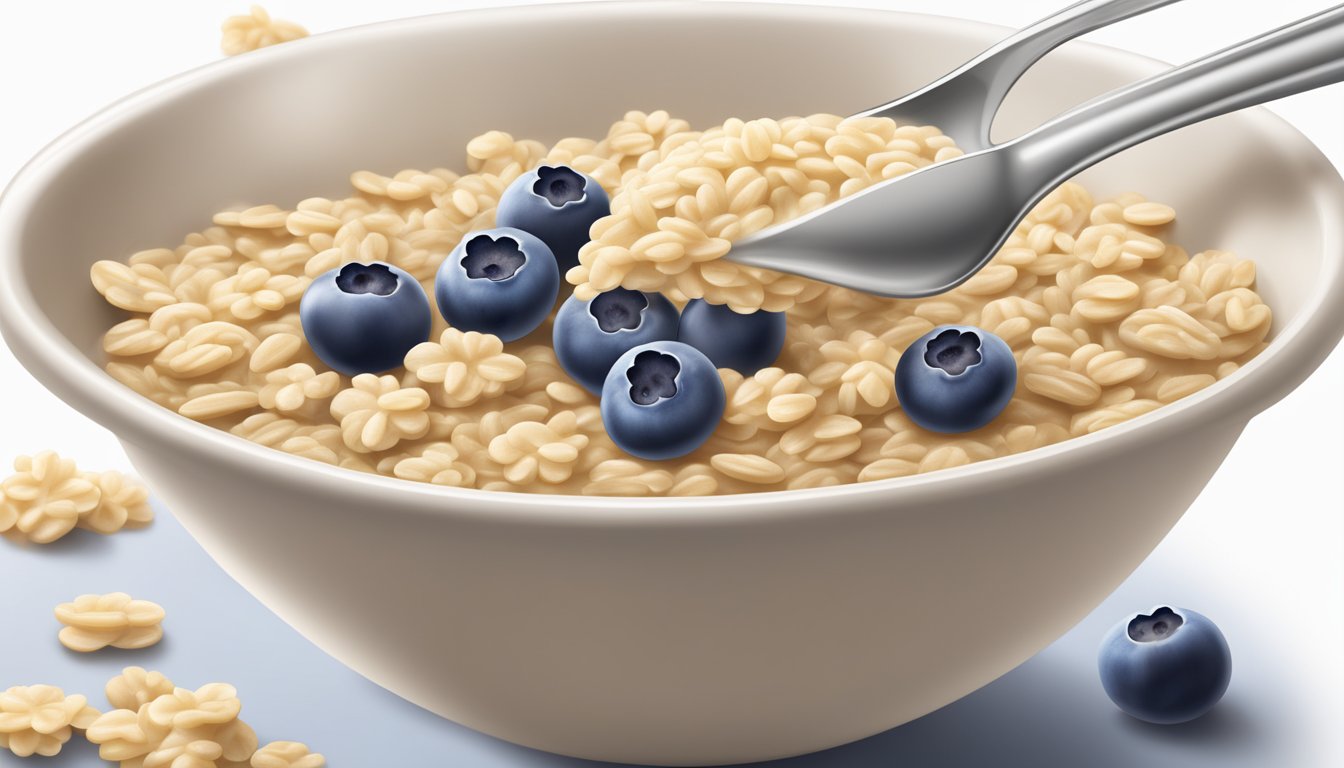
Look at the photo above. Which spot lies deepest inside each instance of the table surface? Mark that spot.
(1261, 551)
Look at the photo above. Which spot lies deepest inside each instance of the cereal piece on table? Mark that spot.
(46, 496)
(93, 622)
(287, 754)
(255, 30)
(123, 503)
(40, 719)
(136, 687)
(198, 729)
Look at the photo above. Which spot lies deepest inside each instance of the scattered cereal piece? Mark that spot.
(39, 719)
(123, 503)
(46, 497)
(287, 754)
(181, 729)
(93, 622)
(136, 687)
(257, 30)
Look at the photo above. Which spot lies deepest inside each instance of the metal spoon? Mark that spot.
(928, 231)
(963, 102)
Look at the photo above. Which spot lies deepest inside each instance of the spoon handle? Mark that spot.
(1298, 57)
(966, 100)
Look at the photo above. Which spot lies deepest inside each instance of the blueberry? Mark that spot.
(955, 378)
(502, 281)
(1167, 667)
(662, 400)
(590, 335)
(364, 318)
(745, 343)
(557, 204)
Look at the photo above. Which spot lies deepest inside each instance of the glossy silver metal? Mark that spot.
(963, 102)
(929, 231)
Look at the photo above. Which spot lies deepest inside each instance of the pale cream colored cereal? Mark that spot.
(122, 503)
(197, 729)
(93, 622)
(287, 754)
(40, 719)
(204, 349)
(256, 30)
(437, 463)
(748, 468)
(46, 497)
(1149, 214)
(291, 389)
(135, 687)
(274, 351)
(531, 451)
(253, 292)
(216, 401)
(468, 367)
(256, 217)
(376, 413)
(673, 221)
(625, 477)
(1106, 319)
(859, 371)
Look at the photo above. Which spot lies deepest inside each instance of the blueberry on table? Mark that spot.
(502, 281)
(744, 342)
(590, 335)
(557, 204)
(1167, 667)
(662, 400)
(364, 318)
(955, 378)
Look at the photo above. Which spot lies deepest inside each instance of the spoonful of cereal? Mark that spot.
(931, 229)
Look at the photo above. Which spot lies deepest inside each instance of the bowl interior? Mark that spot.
(294, 121)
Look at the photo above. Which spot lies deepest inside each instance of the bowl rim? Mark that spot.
(1297, 348)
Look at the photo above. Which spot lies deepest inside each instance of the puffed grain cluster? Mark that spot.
(40, 719)
(47, 497)
(94, 622)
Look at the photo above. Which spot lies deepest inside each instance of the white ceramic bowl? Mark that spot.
(664, 631)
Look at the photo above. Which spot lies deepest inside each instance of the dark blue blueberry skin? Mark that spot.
(590, 335)
(364, 318)
(955, 378)
(662, 400)
(557, 204)
(502, 281)
(745, 343)
(1167, 667)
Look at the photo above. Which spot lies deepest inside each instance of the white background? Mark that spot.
(1264, 544)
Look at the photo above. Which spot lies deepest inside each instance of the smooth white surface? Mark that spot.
(1266, 534)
